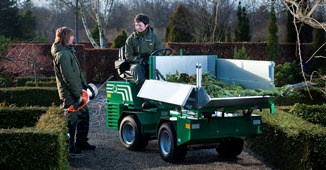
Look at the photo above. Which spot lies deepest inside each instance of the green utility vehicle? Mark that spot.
(184, 116)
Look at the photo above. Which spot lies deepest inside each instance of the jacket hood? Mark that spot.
(57, 47)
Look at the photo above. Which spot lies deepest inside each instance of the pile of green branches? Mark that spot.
(216, 88)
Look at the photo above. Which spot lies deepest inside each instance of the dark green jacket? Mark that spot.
(68, 72)
(136, 45)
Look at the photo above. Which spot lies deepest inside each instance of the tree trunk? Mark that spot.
(88, 33)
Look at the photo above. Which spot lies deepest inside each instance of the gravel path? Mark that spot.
(110, 154)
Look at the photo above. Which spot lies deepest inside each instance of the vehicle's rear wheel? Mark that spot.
(130, 134)
(230, 147)
(169, 150)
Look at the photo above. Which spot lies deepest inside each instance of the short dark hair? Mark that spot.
(141, 18)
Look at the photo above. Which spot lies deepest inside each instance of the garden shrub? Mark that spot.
(312, 113)
(30, 81)
(119, 40)
(287, 73)
(240, 54)
(21, 96)
(290, 142)
(19, 117)
(43, 146)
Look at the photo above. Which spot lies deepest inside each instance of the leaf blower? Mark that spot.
(90, 93)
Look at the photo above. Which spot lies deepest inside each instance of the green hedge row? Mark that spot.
(19, 117)
(290, 142)
(4, 82)
(23, 81)
(43, 146)
(30, 96)
(301, 96)
(312, 113)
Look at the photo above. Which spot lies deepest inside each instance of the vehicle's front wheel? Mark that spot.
(230, 147)
(169, 150)
(130, 134)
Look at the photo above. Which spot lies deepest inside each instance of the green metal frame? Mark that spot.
(122, 100)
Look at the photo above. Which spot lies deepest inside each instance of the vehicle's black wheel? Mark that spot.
(169, 150)
(230, 147)
(130, 134)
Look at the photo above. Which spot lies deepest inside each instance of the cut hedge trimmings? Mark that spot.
(216, 88)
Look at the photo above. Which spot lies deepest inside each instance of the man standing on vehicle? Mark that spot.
(139, 45)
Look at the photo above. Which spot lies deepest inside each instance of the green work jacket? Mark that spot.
(136, 45)
(68, 72)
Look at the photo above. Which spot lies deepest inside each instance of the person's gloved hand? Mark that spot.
(144, 62)
(77, 103)
(85, 85)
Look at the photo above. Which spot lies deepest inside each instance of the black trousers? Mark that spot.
(78, 127)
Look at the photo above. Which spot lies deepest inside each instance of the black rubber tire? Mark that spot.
(230, 147)
(130, 134)
(169, 150)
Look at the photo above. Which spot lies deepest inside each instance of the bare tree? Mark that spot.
(98, 10)
(211, 18)
(303, 11)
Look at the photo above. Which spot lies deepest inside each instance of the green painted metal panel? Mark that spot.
(113, 112)
(149, 121)
(200, 131)
(123, 92)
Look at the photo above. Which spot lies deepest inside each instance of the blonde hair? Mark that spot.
(62, 35)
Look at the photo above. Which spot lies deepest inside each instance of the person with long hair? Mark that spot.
(70, 82)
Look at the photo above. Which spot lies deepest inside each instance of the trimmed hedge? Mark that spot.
(30, 96)
(41, 147)
(312, 113)
(30, 81)
(4, 82)
(290, 142)
(302, 96)
(19, 117)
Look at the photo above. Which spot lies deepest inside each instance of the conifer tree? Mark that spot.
(28, 22)
(178, 29)
(95, 33)
(10, 25)
(272, 48)
(242, 31)
(291, 35)
(119, 40)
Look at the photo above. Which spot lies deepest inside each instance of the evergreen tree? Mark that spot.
(242, 31)
(119, 40)
(240, 54)
(28, 25)
(272, 48)
(178, 29)
(96, 33)
(291, 35)
(4, 44)
(10, 19)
